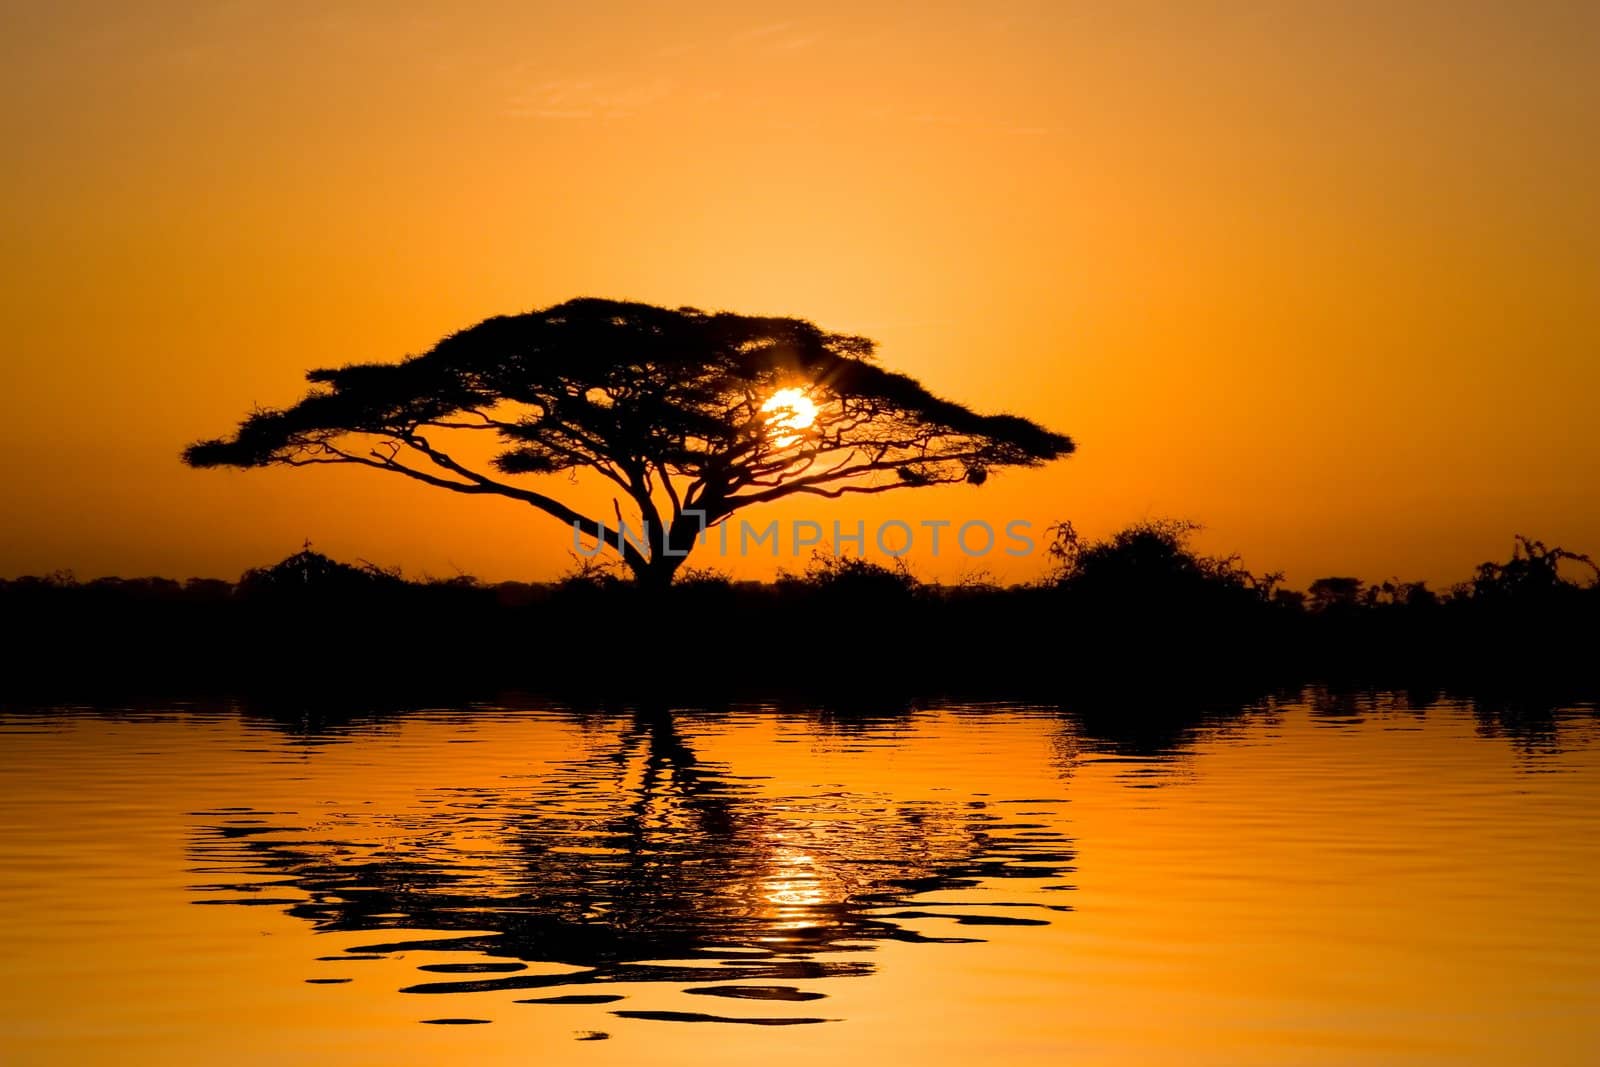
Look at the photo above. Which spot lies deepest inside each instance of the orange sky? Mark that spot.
(1323, 277)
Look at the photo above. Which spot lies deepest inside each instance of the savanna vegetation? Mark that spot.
(1141, 609)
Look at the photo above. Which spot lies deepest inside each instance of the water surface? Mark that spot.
(1374, 880)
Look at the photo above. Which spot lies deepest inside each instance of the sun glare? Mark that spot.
(790, 409)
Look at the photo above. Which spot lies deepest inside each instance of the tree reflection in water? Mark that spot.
(644, 863)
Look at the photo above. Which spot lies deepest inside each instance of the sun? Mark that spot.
(789, 409)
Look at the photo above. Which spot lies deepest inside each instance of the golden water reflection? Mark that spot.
(1328, 880)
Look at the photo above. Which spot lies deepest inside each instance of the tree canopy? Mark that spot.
(692, 414)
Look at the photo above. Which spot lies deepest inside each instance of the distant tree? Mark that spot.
(312, 572)
(1395, 593)
(1335, 594)
(1532, 573)
(692, 415)
(1150, 559)
(852, 577)
(208, 589)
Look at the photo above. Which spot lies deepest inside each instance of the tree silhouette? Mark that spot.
(692, 415)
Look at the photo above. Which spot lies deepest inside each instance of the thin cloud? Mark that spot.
(577, 99)
(777, 37)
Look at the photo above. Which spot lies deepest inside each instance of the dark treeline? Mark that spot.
(1140, 611)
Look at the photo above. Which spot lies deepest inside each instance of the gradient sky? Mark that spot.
(1324, 277)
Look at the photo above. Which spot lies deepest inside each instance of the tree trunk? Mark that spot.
(656, 575)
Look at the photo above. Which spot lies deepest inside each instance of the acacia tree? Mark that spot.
(693, 415)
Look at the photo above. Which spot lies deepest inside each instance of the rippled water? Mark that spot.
(1321, 881)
